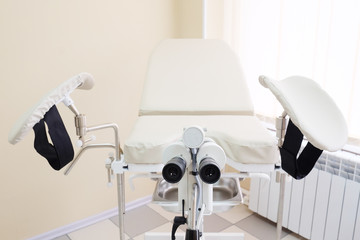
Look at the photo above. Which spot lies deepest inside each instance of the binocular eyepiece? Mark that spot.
(174, 170)
(207, 158)
(209, 171)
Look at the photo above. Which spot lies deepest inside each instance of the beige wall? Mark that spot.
(43, 43)
(189, 18)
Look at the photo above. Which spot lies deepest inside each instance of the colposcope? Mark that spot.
(195, 163)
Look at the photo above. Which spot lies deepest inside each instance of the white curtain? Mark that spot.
(319, 39)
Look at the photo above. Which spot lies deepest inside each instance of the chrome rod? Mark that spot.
(73, 109)
(281, 204)
(192, 223)
(90, 146)
(280, 130)
(121, 203)
(116, 132)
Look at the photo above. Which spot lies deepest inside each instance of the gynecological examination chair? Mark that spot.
(195, 117)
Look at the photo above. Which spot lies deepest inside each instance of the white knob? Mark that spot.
(79, 143)
(193, 137)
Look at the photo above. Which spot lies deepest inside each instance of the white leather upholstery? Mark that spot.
(194, 76)
(198, 82)
(311, 109)
(243, 138)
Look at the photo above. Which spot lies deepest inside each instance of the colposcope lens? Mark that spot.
(209, 171)
(174, 170)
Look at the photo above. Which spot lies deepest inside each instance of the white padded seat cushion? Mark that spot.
(311, 109)
(195, 77)
(243, 138)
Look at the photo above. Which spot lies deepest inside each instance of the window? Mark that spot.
(317, 39)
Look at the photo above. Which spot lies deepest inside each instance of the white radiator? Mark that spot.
(324, 205)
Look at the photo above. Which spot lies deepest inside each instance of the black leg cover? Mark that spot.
(59, 153)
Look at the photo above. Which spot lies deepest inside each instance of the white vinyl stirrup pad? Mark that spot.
(312, 114)
(26, 122)
(311, 109)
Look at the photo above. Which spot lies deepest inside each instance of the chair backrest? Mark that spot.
(195, 77)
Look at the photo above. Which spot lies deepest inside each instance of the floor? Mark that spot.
(152, 218)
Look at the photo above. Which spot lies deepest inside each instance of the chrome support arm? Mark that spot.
(81, 131)
(78, 155)
(115, 127)
(280, 128)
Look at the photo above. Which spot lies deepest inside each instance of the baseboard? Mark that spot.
(90, 220)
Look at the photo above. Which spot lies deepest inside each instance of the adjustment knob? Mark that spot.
(193, 137)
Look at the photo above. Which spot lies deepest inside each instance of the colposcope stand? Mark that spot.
(195, 163)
